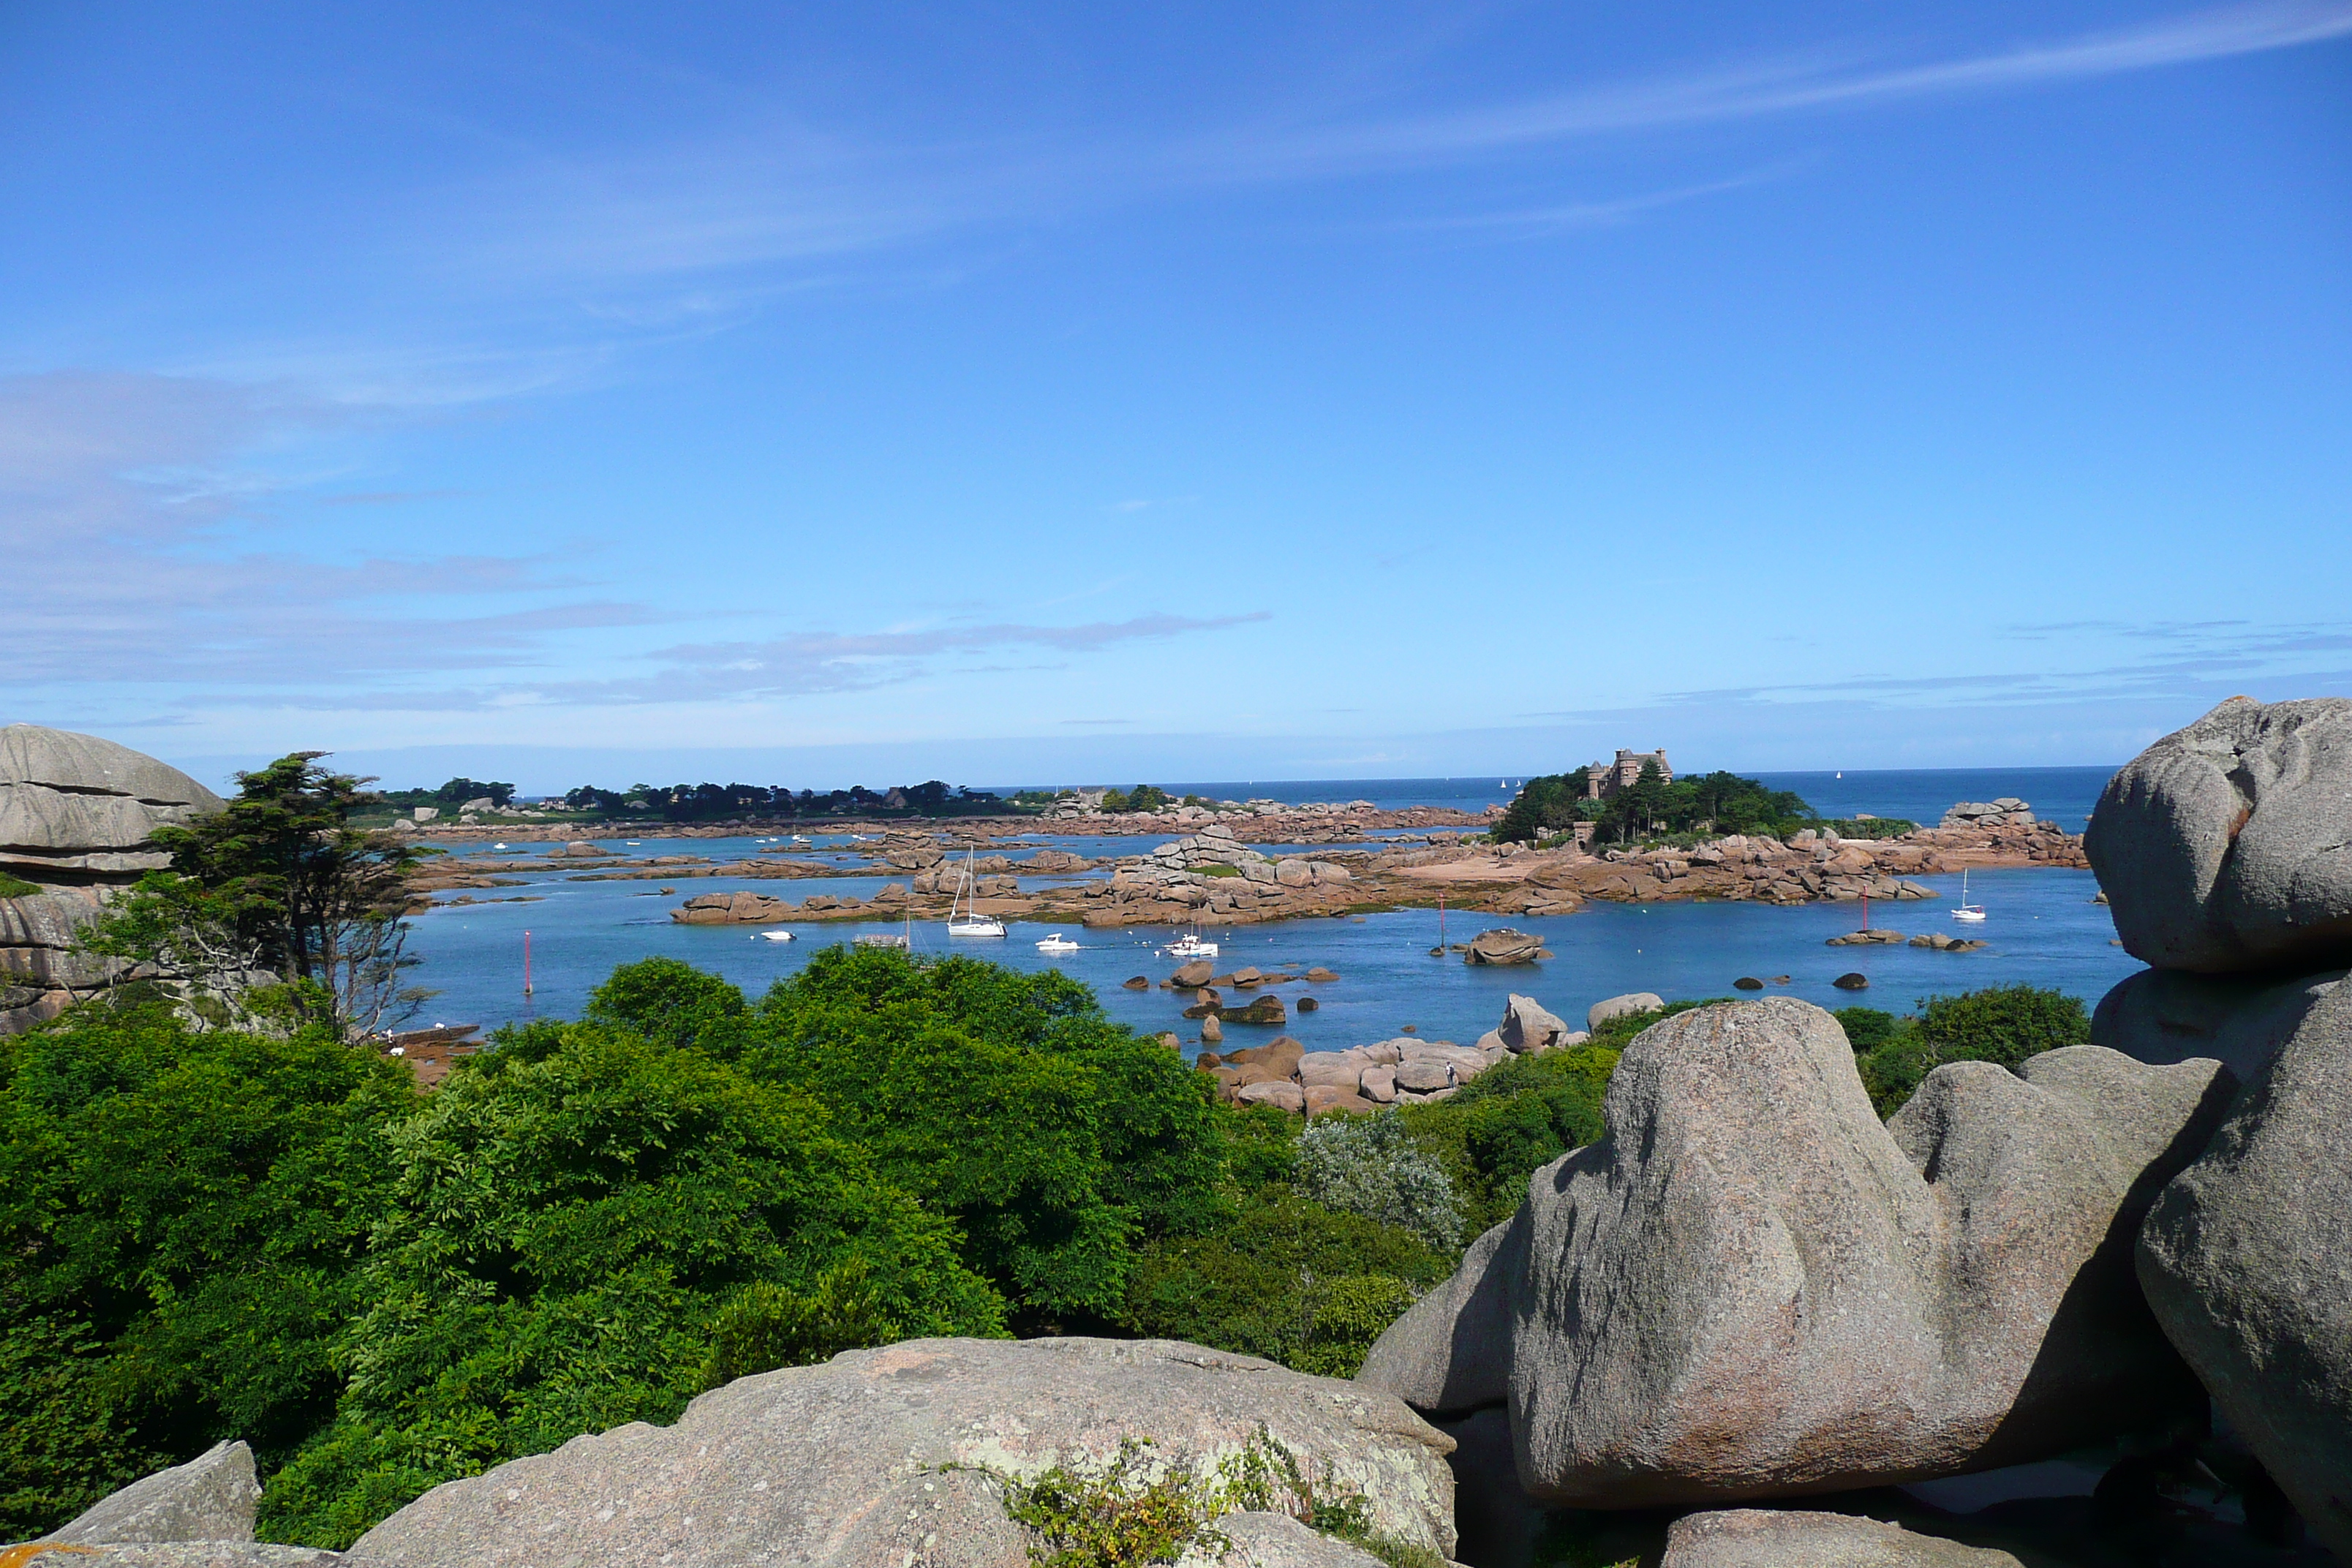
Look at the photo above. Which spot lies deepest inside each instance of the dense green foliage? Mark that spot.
(2004, 1024)
(17, 887)
(568, 1219)
(181, 1215)
(597, 1220)
(1725, 802)
(1142, 797)
(715, 801)
(451, 796)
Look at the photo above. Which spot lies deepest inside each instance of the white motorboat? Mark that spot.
(1057, 942)
(799, 839)
(776, 936)
(1965, 910)
(1192, 944)
(964, 918)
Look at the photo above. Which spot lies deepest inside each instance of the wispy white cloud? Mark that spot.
(1851, 77)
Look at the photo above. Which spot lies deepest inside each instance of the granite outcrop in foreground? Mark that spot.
(1749, 1288)
(2247, 1259)
(877, 1459)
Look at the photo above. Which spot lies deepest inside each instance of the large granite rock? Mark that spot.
(75, 808)
(1504, 946)
(841, 1464)
(2226, 848)
(1451, 1352)
(1775, 1538)
(37, 937)
(210, 1497)
(1272, 1540)
(2247, 1259)
(2239, 1021)
(1526, 1027)
(1629, 1005)
(1749, 1287)
(168, 1554)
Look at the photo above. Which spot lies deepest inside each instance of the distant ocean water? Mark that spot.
(1923, 794)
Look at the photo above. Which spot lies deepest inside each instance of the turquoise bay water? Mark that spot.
(2043, 928)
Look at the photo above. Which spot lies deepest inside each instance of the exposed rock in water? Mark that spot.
(1136, 983)
(1851, 980)
(1749, 1287)
(1505, 945)
(2246, 1256)
(2223, 847)
(1190, 976)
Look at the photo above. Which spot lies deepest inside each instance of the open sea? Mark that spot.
(2043, 930)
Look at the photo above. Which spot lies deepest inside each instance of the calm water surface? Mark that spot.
(2043, 928)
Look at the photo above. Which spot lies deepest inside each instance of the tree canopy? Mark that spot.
(1725, 802)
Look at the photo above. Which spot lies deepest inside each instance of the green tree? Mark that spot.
(567, 1219)
(1054, 1138)
(282, 881)
(1146, 797)
(181, 1215)
(1114, 800)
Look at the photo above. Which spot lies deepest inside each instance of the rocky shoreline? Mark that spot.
(1218, 874)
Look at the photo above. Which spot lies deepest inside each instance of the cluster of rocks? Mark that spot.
(746, 908)
(1405, 1071)
(75, 814)
(1212, 873)
(1750, 1289)
(881, 1458)
(196, 1515)
(2007, 812)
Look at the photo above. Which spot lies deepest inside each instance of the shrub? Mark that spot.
(2005, 1025)
(180, 1216)
(1370, 1166)
(1866, 1028)
(1285, 1279)
(765, 1325)
(12, 887)
(569, 1218)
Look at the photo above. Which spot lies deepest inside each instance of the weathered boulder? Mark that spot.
(210, 1497)
(1295, 874)
(76, 809)
(2239, 1021)
(843, 1464)
(1776, 1538)
(1624, 1006)
(1504, 946)
(170, 1554)
(1271, 1541)
(1451, 1352)
(1749, 1287)
(2247, 1259)
(1189, 976)
(1341, 1069)
(1279, 1093)
(2226, 848)
(1526, 1027)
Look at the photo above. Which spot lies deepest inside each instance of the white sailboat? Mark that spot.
(1965, 910)
(970, 921)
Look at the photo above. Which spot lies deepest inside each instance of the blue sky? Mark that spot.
(1049, 393)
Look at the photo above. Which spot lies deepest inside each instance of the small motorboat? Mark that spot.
(1192, 944)
(1057, 942)
(798, 838)
(1965, 910)
(776, 936)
